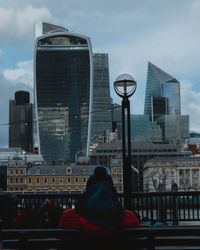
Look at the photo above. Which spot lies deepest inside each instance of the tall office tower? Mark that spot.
(162, 104)
(63, 93)
(21, 120)
(101, 114)
(161, 84)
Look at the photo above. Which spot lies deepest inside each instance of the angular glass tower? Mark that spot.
(101, 115)
(161, 84)
(162, 104)
(63, 80)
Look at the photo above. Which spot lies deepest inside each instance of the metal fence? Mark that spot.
(152, 206)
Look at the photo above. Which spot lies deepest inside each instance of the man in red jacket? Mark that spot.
(99, 210)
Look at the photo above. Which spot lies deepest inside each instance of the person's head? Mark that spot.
(100, 204)
(100, 174)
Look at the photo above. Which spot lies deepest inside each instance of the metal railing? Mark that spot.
(152, 206)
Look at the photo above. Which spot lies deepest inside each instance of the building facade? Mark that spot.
(161, 174)
(104, 153)
(163, 105)
(161, 84)
(71, 178)
(175, 129)
(142, 129)
(101, 113)
(21, 121)
(63, 89)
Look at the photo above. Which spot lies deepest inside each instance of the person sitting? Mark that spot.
(98, 210)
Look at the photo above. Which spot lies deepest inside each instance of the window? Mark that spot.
(29, 180)
(37, 180)
(53, 171)
(68, 180)
(84, 171)
(45, 180)
(69, 170)
(37, 171)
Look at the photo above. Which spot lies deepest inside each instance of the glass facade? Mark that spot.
(62, 91)
(21, 122)
(142, 129)
(161, 84)
(153, 88)
(171, 90)
(163, 105)
(101, 115)
(175, 128)
(159, 106)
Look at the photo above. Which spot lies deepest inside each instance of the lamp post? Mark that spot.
(125, 86)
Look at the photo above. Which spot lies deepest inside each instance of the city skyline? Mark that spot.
(129, 33)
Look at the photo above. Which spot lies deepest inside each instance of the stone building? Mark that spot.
(104, 153)
(163, 174)
(25, 177)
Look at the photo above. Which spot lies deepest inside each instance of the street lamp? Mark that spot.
(125, 86)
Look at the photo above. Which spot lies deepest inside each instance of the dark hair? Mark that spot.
(100, 205)
(100, 174)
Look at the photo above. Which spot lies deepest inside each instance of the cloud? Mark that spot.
(17, 24)
(190, 102)
(22, 74)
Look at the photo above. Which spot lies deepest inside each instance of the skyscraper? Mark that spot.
(21, 121)
(63, 92)
(101, 114)
(163, 105)
(161, 84)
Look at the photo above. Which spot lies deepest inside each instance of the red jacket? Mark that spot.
(72, 220)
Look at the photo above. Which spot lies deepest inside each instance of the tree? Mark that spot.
(159, 178)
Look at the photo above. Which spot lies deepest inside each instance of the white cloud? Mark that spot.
(22, 74)
(18, 23)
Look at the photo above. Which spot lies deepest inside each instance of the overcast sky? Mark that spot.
(132, 32)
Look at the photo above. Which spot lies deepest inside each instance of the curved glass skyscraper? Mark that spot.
(63, 93)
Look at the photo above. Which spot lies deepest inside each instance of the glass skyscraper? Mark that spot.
(21, 121)
(162, 104)
(101, 114)
(161, 84)
(63, 92)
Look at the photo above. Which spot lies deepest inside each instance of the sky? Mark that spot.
(132, 32)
